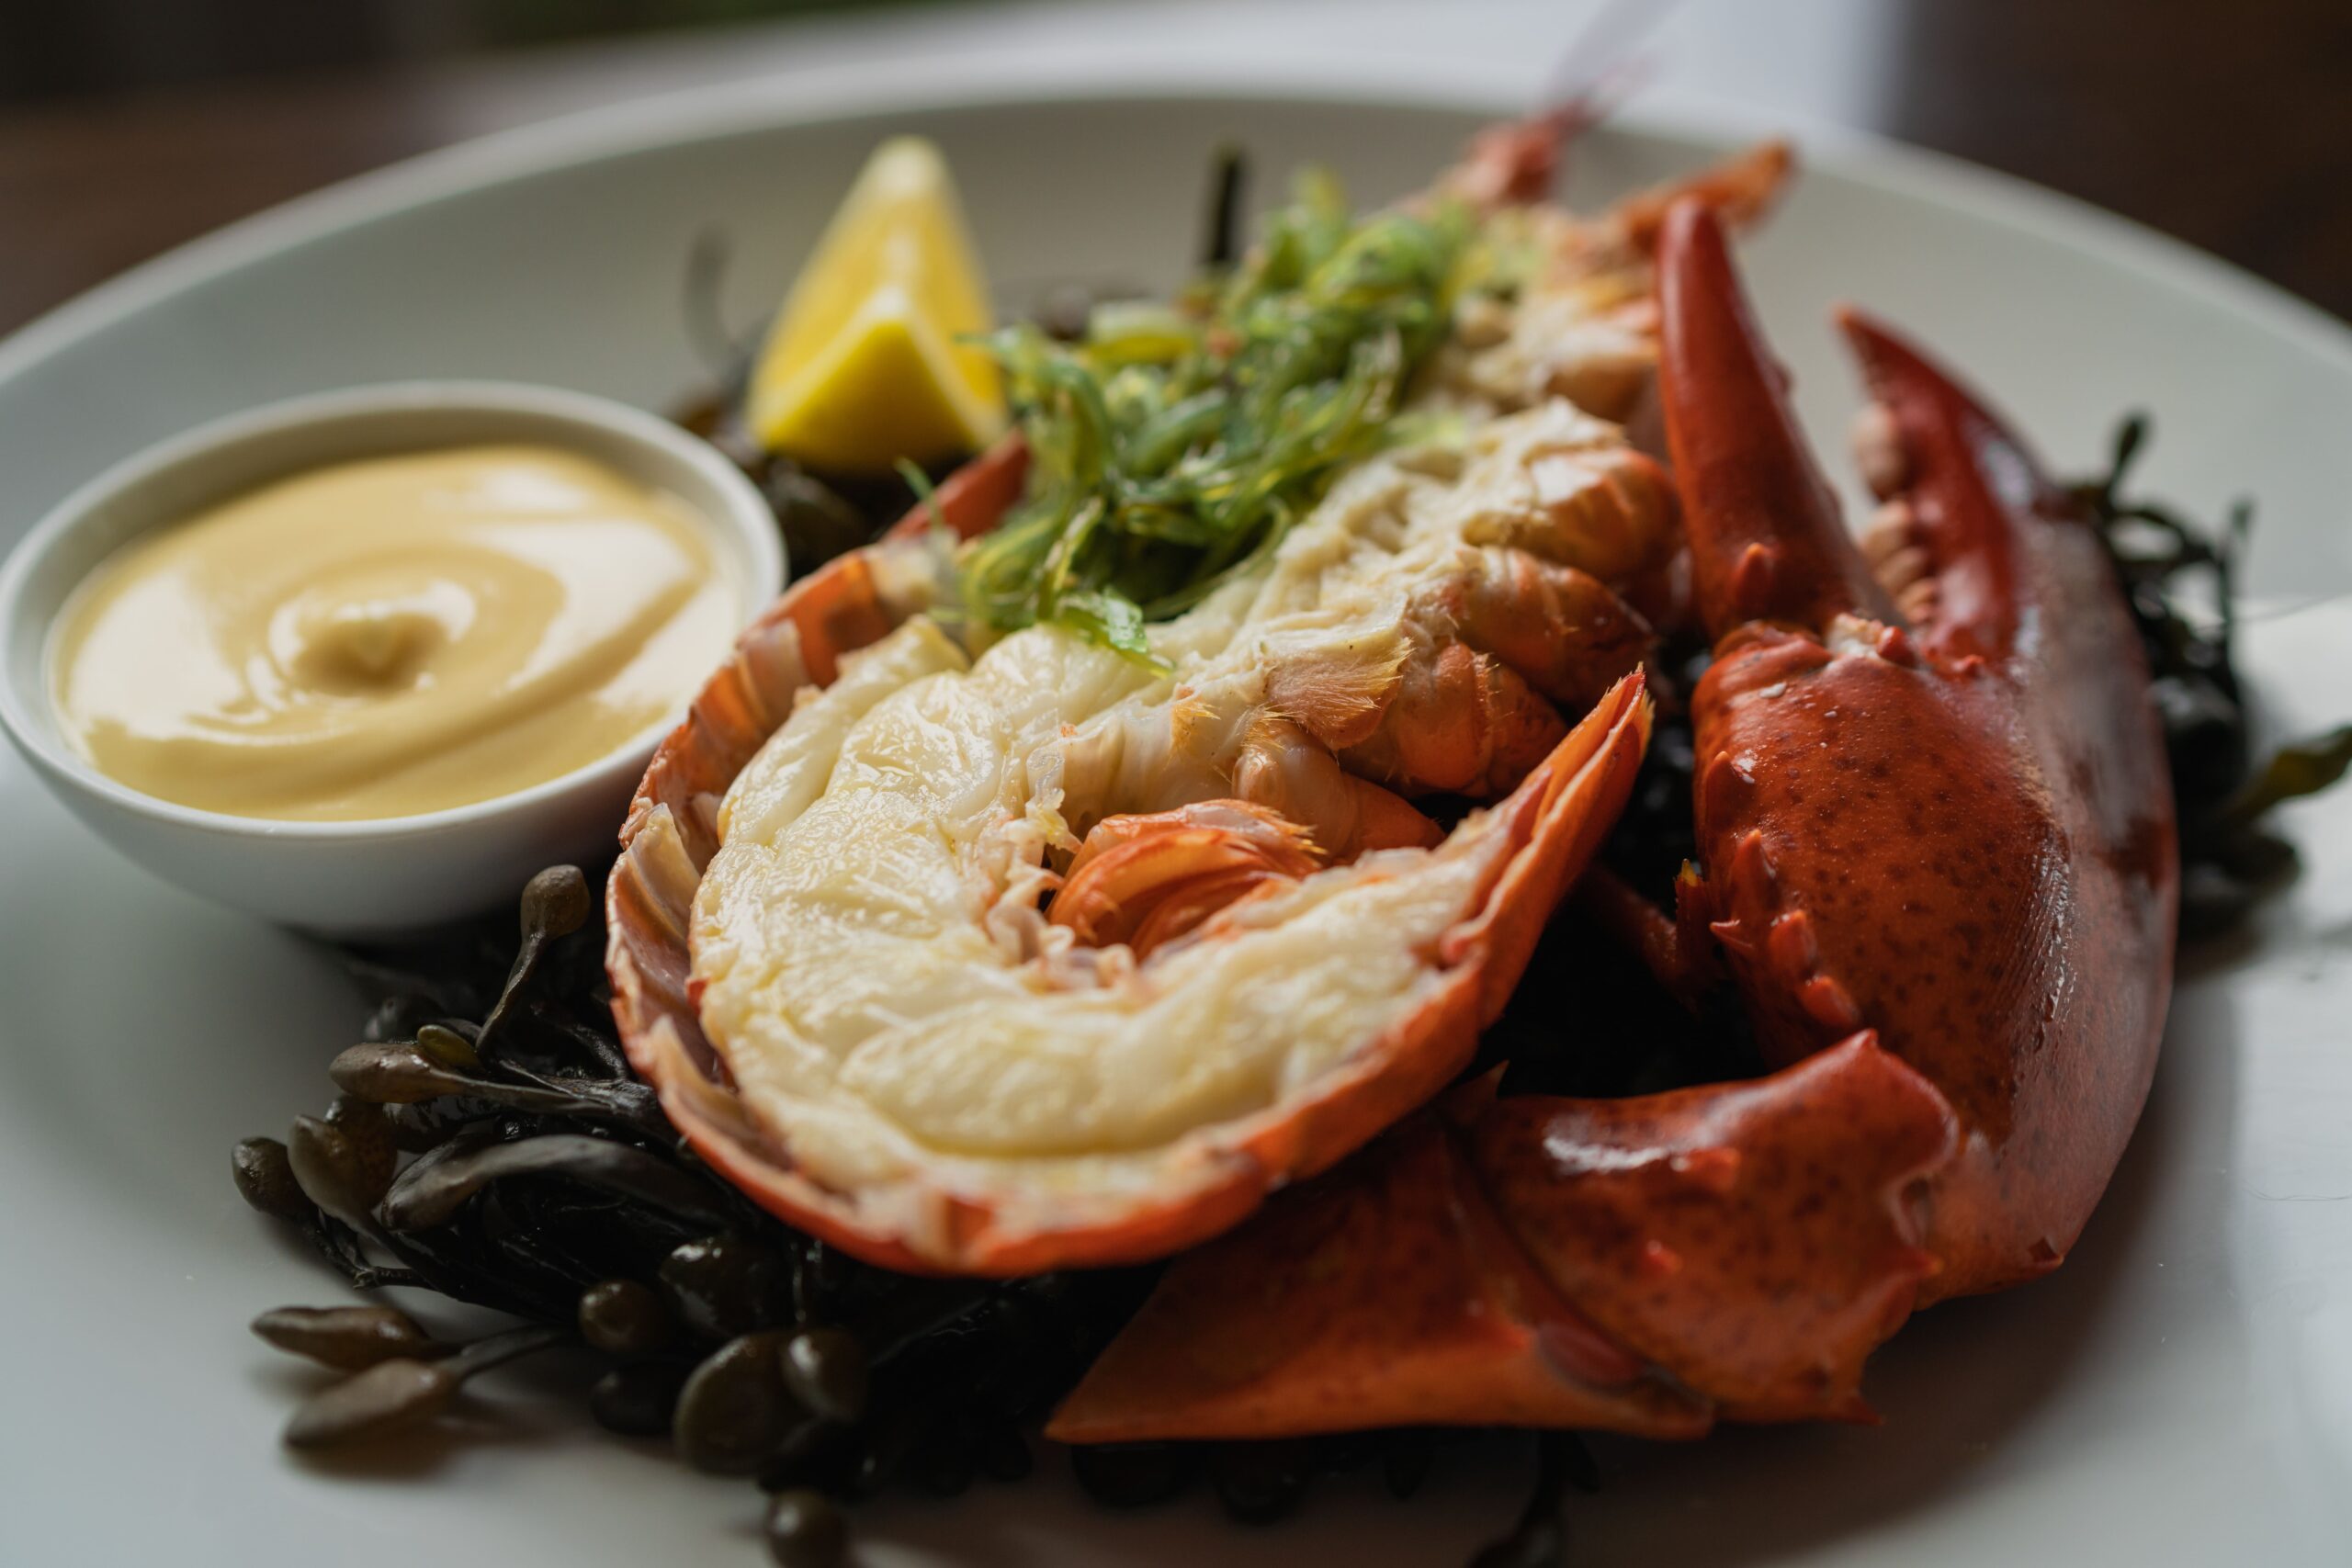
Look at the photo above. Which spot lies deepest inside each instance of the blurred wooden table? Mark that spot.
(2226, 124)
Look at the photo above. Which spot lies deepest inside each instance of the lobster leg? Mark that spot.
(1939, 864)
(1145, 880)
(1640, 1265)
(1287, 771)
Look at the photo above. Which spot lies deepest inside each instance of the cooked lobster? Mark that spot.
(1938, 853)
(1935, 861)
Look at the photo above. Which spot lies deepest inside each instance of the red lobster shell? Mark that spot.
(1939, 865)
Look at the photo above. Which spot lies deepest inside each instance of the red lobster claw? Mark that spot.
(1958, 831)
(1938, 850)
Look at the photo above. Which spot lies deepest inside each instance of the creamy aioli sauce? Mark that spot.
(392, 636)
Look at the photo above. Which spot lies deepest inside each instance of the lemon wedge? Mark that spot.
(863, 366)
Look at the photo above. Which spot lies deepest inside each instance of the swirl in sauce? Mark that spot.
(392, 636)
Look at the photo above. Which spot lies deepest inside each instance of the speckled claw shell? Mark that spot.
(1942, 811)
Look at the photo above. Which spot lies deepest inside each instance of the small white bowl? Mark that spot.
(391, 875)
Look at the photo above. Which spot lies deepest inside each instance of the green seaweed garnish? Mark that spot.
(1173, 445)
(2227, 855)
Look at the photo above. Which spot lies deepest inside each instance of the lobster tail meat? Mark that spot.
(1023, 954)
(794, 646)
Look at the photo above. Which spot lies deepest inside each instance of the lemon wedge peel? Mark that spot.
(870, 359)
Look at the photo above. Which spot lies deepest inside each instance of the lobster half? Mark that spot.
(1939, 868)
(1261, 954)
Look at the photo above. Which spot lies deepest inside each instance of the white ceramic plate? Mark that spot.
(2181, 1392)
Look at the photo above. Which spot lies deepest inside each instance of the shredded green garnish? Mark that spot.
(926, 493)
(1173, 447)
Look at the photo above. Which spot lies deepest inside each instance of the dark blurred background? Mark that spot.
(54, 48)
(127, 126)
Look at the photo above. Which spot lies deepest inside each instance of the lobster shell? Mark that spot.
(1940, 866)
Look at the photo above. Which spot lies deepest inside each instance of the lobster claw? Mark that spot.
(1938, 859)
(1948, 820)
(1768, 543)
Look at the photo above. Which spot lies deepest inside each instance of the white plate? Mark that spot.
(2181, 1392)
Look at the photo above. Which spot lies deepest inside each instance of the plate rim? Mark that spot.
(681, 116)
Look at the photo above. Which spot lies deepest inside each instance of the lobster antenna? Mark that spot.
(1602, 64)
